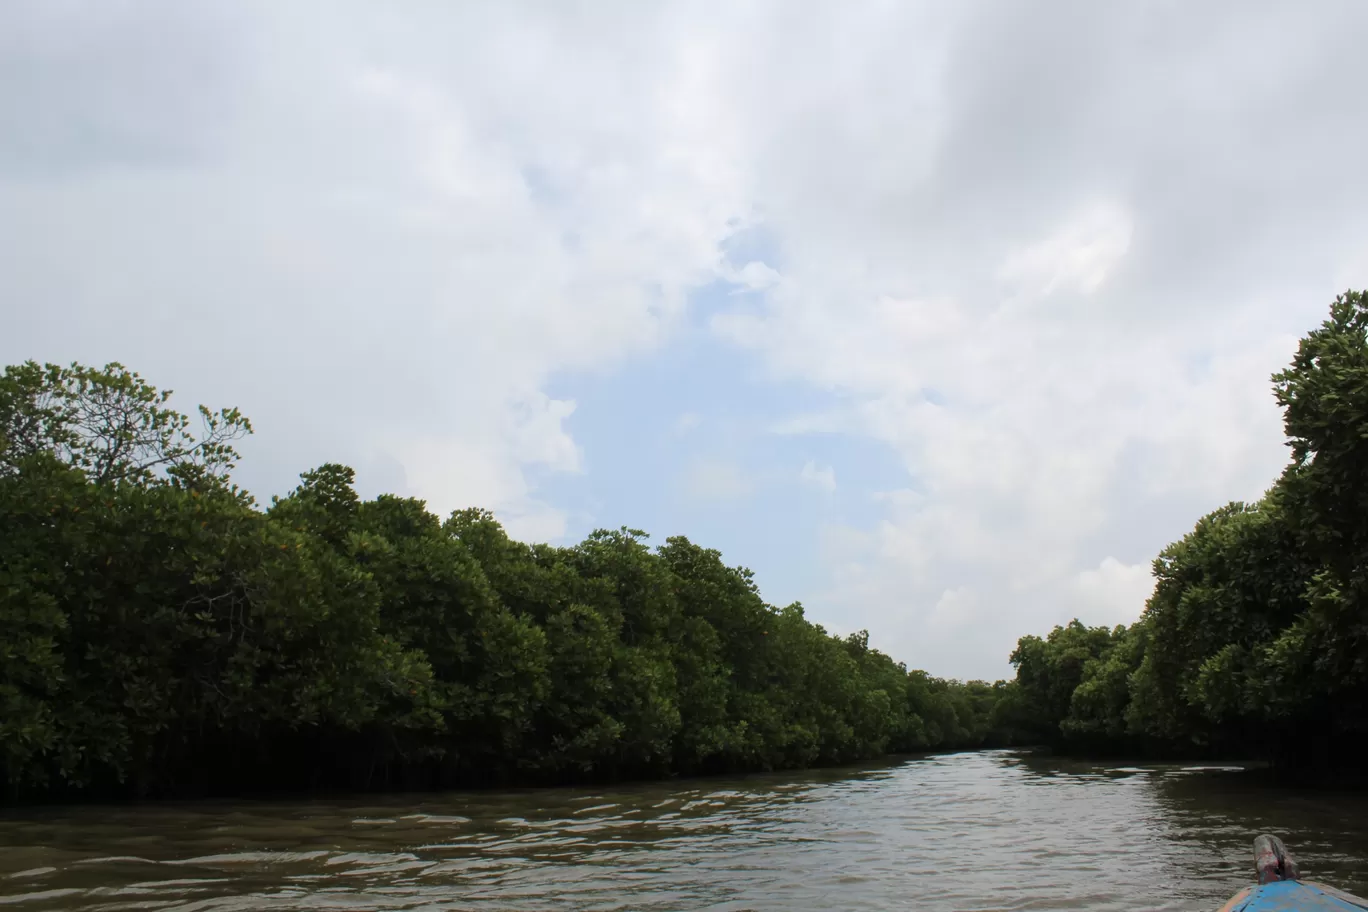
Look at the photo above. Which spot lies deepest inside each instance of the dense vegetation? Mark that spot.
(1255, 641)
(161, 634)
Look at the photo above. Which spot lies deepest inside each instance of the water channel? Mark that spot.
(962, 832)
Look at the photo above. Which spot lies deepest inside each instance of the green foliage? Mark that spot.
(160, 634)
(1255, 640)
(110, 424)
(1049, 672)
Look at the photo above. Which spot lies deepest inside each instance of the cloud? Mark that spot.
(1070, 258)
(823, 478)
(1112, 593)
(687, 422)
(384, 239)
(1078, 256)
(1046, 257)
(812, 423)
(755, 276)
(955, 610)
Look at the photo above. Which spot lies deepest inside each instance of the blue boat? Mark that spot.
(1281, 889)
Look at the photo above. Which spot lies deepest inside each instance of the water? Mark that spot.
(963, 832)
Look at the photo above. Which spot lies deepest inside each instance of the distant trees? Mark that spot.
(1256, 637)
(160, 633)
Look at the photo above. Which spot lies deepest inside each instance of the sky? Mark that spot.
(943, 318)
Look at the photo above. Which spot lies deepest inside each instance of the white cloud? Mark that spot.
(821, 477)
(394, 232)
(754, 276)
(1112, 593)
(686, 422)
(953, 607)
(1093, 234)
(813, 423)
(1077, 257)
(1100, 324)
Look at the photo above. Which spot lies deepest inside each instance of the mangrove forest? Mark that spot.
(163, 633)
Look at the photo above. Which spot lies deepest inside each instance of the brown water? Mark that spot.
(962, 832)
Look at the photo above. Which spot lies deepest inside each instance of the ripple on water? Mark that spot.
(963, 832)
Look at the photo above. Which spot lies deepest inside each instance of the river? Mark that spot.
(992, 830)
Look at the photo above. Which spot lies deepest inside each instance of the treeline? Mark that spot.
(1255, 641)
(162, 634)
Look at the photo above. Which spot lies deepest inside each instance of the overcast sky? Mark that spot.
(944, 318)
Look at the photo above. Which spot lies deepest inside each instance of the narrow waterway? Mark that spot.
(962, 832)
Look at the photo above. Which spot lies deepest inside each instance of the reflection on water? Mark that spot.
(962, 832)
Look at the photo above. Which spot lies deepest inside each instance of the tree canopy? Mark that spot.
(162, 634)
(1255, 640)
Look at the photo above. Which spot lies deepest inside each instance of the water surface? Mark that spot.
(962, 832)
